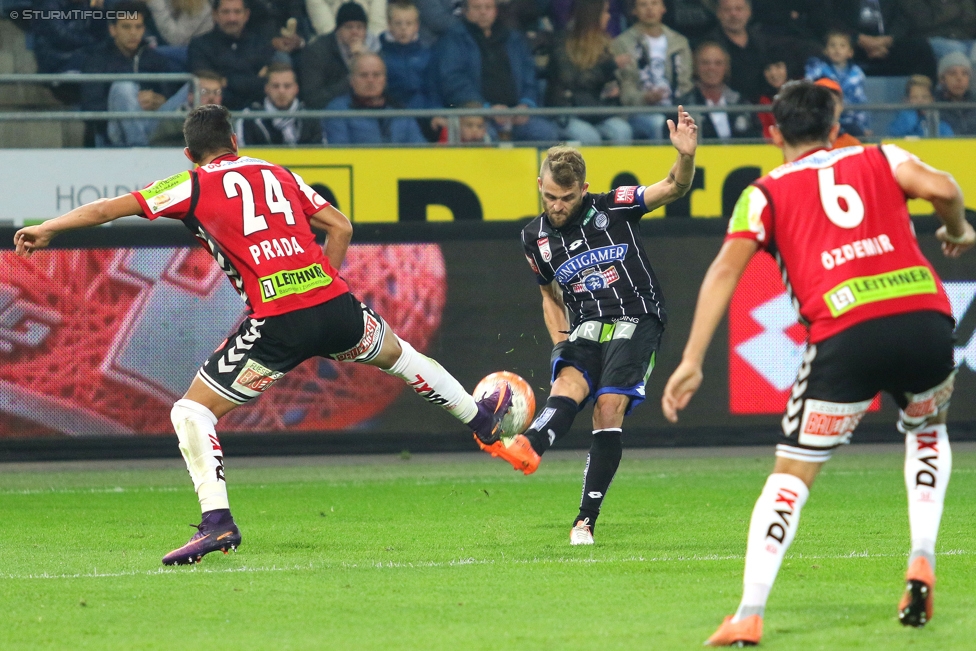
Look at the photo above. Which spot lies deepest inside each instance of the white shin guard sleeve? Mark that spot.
(433, 383)
(771, 530)
(928, 464)
(201, 450)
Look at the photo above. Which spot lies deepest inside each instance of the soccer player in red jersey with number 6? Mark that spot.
(255, 218)
(878, 317)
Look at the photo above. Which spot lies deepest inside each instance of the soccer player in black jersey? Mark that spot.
(602, 305)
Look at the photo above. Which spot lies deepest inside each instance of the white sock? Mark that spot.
(928, 464)
(771, 530)
(431, 382)
(201, 450)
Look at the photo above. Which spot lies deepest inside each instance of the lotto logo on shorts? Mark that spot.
(254, 379)
(826, 424)
(625, 194)
(371, 330)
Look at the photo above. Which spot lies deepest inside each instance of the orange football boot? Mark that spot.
(519, 453)
(915, 607)
(746, 632)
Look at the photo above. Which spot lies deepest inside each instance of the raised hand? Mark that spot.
(684, 135)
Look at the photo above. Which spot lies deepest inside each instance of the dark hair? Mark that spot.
(279, 66)
(205, 73)
(804, 112)
(216, 4)
(207, 130)
(125, 8)
(402, 5)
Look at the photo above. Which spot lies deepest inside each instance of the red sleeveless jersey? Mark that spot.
(253, 217)
(837, 224)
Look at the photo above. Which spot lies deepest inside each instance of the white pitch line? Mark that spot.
(458, 562)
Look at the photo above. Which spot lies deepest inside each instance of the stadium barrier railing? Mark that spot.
(451, 114)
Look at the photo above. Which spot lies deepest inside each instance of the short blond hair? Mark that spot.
(565, 166)
(918, 81)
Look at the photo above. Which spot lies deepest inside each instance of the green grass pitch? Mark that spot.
(460, 552)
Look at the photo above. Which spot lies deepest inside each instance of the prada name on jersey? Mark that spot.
(597, 258)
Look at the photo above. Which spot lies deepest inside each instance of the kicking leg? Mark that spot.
(771, 530)
(433, 383)
(425, 376)
(556, 417)
(552, 422)
(601, 464)
(194, 418)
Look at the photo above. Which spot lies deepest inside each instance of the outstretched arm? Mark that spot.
(713, 299)
(338, 232)
(101, 211)
(919, 181)
(684, 137)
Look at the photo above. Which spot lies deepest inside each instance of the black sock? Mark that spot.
(552, 423)
(601, 466)
(216, 517)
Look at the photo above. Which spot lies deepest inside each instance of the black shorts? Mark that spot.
(909, 356)
(262, 351)
(615, 357)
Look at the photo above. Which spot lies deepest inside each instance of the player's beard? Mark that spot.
(564, 218)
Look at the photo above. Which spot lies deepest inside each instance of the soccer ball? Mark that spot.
(520, 415)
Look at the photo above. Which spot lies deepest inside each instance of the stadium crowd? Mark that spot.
(373, 55)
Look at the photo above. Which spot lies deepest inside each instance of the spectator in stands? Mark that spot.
(60, 44)
(367, 82)
(955, 74)
(409, 63)
(436, 16)
(806, 20)
(325, 62)
(178, 21)
(884, 42)
(693, 19)
(582, 73)
(745, 45)
(561, 14)
(473, 129)
(169, 132)
(323, 15)
(837, 64)
(280, 96)
(795, 29)
(288, 26)
(711, 71)
(915, 122)
(844, 139)
(949, 25)
(657, 67)
(776, 73)
(410, 79)
(470, 129)
(127, 52)
(285, 22)
(480, 61)
(235, 51)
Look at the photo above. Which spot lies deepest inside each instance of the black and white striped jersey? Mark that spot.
(598, 258)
